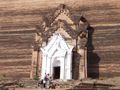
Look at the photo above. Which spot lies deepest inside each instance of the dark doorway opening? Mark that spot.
(56, 73)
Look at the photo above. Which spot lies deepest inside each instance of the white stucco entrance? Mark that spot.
(57, 58)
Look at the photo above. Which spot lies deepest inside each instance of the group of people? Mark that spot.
(46, 82)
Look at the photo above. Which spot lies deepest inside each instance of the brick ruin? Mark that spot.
(74, 32)
(20, 26)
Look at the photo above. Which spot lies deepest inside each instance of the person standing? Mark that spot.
(44, 83)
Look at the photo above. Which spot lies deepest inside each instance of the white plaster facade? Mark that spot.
(57, 53)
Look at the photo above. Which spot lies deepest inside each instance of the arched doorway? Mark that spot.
(57, 59)
(56, 69)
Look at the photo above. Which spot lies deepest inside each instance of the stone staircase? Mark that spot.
(68, 85)
(65, 84)
(80, 85)
(90, 86)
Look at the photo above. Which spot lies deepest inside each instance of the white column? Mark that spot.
(52, 61)
(43, 66)
(51, 67)
(62, 69)
(48, 65)
(69, 66)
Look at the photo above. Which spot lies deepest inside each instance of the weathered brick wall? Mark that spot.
(15, 55)
(104, 50)
(18, 19)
